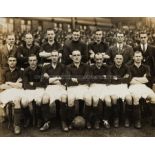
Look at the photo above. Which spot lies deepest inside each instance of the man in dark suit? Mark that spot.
(148, 52)
(8, 49)
(121, 48)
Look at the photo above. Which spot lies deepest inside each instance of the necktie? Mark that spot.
(119, 48)
(10, 48)
(143, 48)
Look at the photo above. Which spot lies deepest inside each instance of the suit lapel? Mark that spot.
(5, 50)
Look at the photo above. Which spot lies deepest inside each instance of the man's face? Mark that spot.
(29, 39)
(143, 38)
(76, 36)
(11, 40)
(120, 38)
(138, 57)
(55, 56)
(33, 61)
(50, 35)
(118, 60)
(12, 62)
(76, 56)
(98, 35)
(99, 59)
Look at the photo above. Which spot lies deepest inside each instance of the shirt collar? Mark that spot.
(73, 65)
(9, 46)
(144, 45)
(119, 45)
(137, 66)
(13, 70)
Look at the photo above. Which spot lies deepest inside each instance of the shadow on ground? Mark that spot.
(55, 131)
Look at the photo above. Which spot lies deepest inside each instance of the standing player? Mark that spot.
(74, 44)
(27, 49)
(138, 88)
(118, 89)
(33, 89)
(55, 90)
(99, 91)
(121, 48)
(12, 91)
(48, 47)
(98, 46)
(77, 83)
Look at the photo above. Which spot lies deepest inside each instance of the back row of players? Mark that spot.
(46, 80)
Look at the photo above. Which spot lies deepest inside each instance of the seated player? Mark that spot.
(12, 91)
(99, 92)
(77, 83)
(33, 90)
(55, 90)
(118, 89)
(140, 74)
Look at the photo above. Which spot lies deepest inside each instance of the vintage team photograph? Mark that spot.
(77, 77)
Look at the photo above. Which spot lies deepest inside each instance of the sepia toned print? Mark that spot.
(77, 76)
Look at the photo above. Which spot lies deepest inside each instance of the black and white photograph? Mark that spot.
(77, 76)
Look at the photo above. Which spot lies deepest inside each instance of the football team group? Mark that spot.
(89, 81)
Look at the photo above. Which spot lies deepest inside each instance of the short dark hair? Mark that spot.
(50, 29)
(32, 55)
(28, 33)
(120, 32)
(12, 56)
(98, 53)
(98, 30)
(138, 52)
(143, 32)
(75, 30)
(10, 34)
(55, 50)
(118, 54)
(76, 50)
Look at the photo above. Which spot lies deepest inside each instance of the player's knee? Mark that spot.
(71, 103)
(114, 99)
(64, 98)
(88, 100)
(71, 100)
(45, 99)
(17, 104)
(38, 101)
(107, 100)
(95, 98)
(135, 100)
(128, 99)
(95, 101)
(151, 98)
(24, 102)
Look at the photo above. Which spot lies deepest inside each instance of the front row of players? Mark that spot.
(92, 86)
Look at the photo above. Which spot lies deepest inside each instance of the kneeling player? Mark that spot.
(77, 83)
(55, 90)
(120, 77)
(140, 77)
(98, 91)
(33, 90)
(12, 91)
